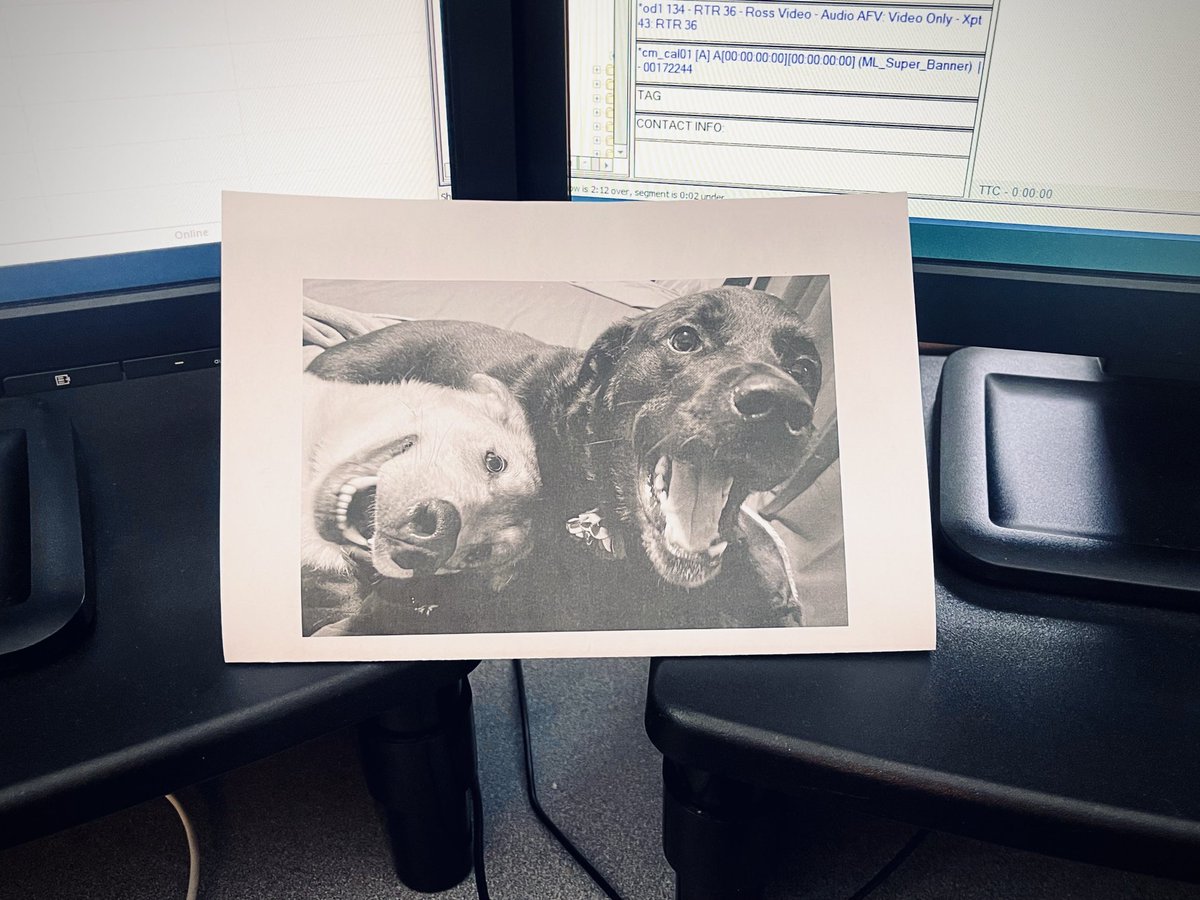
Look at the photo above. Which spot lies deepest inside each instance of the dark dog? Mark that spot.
(659, 431)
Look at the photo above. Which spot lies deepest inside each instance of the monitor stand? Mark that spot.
(1056, 475)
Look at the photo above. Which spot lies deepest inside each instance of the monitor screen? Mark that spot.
(1060, 135)
(124, 121)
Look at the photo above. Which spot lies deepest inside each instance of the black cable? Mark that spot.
(892, 865)
(536, 804)
(481, 887)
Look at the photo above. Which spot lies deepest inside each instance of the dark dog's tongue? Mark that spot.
(695, 499)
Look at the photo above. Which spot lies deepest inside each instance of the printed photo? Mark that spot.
(524, 430)
(490, 457)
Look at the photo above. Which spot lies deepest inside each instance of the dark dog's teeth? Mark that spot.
(662, 478)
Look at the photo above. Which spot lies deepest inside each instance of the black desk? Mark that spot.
(146, 704)
(1053, 723)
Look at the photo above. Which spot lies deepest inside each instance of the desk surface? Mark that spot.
(146, 704)
(1057, 723)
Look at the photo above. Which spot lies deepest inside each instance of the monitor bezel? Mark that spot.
(58, 334)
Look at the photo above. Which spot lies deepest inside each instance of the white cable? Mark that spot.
(193, 888)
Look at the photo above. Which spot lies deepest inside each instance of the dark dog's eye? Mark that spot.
(684, 339)
(805, 370)
(493, 463)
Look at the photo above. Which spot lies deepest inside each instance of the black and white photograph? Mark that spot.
(487, 457)
(524, 430)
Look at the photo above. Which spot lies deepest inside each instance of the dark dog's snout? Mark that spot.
(427, 536)
(767, 398)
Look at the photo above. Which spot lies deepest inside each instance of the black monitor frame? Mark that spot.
(507, 99)
(1137, 324)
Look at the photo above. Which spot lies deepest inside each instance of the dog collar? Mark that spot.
(589, 529)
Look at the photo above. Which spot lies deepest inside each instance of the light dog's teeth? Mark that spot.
(341, 509)
(353, 486)
(352, 534)
(371, 543)
(717, 549)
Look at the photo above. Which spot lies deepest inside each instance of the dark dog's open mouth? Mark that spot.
(345, 505)
(687, 505)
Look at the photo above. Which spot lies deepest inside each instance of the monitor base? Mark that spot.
(1055, 475)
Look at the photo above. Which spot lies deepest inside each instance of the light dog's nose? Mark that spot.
(427, 536)
(770, 398)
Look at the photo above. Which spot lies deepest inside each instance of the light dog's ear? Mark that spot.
(602, 356)
(499, 401)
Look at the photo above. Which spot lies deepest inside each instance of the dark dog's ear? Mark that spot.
(602, 356)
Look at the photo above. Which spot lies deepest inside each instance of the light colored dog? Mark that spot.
(416, 479)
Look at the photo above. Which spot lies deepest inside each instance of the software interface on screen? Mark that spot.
(1079, 114)
(123, 121)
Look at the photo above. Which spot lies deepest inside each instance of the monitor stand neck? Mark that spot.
(1057, 473)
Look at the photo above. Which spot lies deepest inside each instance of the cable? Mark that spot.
(892, 865)
(193, 888)
(481, 887)
(477, 837)
(536, 804)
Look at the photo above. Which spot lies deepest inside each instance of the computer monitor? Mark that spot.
(1061, 139)
(996, 113)
(124, 122)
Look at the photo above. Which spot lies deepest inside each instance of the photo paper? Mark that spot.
(513, 430)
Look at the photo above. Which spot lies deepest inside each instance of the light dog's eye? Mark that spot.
(493, 463)
(684, 339)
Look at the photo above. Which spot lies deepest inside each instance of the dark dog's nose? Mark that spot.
(770, 398)
(427, 536)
